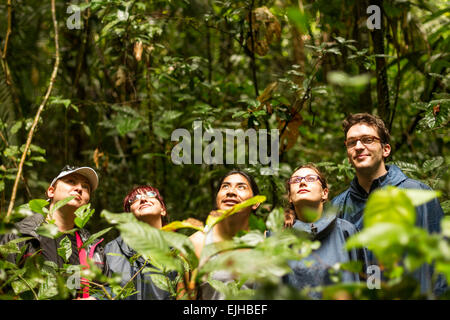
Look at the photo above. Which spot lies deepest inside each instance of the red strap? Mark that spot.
(83, 261)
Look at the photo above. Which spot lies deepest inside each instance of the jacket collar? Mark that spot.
(393, 177)
(319, 229)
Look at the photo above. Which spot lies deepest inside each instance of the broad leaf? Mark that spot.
(49, 230)
(83, 214)
(420, 196)
(61, 203)
(115, 218)
(65, 248)
(213, 220)
(389, 205)
(95, 236)
(37, 205)
(188, 223)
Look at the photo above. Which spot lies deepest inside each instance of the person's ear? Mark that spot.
(325, 194)
(163, 212)
(386, 150)
(51, 192)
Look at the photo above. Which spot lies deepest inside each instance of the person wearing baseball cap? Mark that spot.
(147, 205)
(71, 181)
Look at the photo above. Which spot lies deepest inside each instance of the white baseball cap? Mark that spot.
(86, 172)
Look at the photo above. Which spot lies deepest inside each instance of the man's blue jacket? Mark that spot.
(352, 202)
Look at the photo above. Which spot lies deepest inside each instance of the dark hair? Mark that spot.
(247, 176)
(145, 188)
(322, 178)
(370, 120)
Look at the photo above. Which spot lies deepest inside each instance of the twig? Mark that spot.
(131, 279)
(103, 288)
(8, 31)
(28, 285)
(36, 118)
(252, 53)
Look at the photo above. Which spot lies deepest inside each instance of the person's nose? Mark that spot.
(302, 182)
(231, 192)
(78, 188)
(359, 145)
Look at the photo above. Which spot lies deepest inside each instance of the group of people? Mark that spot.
(367, 144)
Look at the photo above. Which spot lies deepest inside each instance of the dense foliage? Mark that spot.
(131, 72)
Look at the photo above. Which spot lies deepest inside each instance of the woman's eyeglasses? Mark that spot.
(308, 178)
(140, 196)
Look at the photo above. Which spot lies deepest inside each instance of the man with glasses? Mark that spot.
(147, 205)
(367, 143)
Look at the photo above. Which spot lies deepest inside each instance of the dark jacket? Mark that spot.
(120, 263)
(27, 227)
(352, 202)
(332, 233)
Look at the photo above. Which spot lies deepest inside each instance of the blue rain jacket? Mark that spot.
(313, 270)
(351, 204)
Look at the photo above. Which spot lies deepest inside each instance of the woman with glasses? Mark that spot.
(308, 194)
(147, 205)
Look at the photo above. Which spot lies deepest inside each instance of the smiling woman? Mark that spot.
(147, 205)
(234, 187)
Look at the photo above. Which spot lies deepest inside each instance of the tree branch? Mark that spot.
(41, 107)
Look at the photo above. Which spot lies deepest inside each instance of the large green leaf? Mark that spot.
(183, 244)
(49, 230)
(149, 242)
(116, 218)
(213, 220)
(420, 196)
(275, 220)
(65, 248)
(37, 205)
(175, 225)
(95, 236)
(83, 214)
(61, 203)
(389, 205)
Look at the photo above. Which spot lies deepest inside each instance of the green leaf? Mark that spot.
(175, 225)
(61, 203)
(160, 281)
(149, 242)
(93, 237)
(65, 248)
(116, 218)
(256, 223)
(445, 226)
(275, 220)
(37, 205)
(83, 214)
(126, 124)
(432, 164)
(213, 220)
(300, 19)
(420, 196)
(391, 205)
(183, 244)
(49, 230)
(16, 127)
(11, 247)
